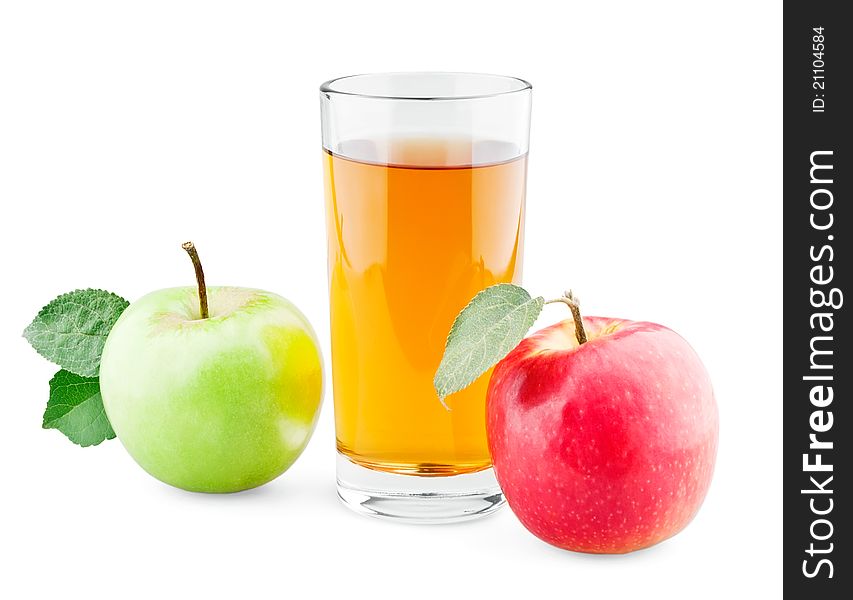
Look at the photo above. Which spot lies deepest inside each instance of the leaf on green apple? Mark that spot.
(72, 329)
(75, 408)
(486, 330)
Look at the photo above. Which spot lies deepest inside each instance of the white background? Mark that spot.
(654, 191)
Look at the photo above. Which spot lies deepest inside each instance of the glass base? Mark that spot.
(417, 499)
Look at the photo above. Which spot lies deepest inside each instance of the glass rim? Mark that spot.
(327, 87)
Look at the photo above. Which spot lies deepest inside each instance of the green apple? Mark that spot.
(215, 404)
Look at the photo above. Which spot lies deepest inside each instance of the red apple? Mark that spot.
(606, 446)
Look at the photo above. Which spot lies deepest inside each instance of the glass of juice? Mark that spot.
(425, 189)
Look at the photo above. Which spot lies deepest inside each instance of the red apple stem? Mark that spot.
(570, 300)
(199, 276)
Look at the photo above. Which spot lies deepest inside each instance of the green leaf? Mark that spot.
(486, 330)
(75, 408)
(71, 330)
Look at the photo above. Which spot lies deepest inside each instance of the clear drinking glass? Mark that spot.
(425, 188)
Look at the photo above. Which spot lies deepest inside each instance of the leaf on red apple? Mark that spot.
(486, 330)
(75, 408)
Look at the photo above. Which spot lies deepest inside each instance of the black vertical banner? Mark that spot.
(818, 370)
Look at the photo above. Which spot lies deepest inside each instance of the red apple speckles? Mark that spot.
(607, 446)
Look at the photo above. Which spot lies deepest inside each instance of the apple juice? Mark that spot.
(415, 230)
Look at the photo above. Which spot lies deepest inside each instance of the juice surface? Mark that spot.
(415, 231)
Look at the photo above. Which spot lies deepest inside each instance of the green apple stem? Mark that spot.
(199, 276)
(570, 300)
